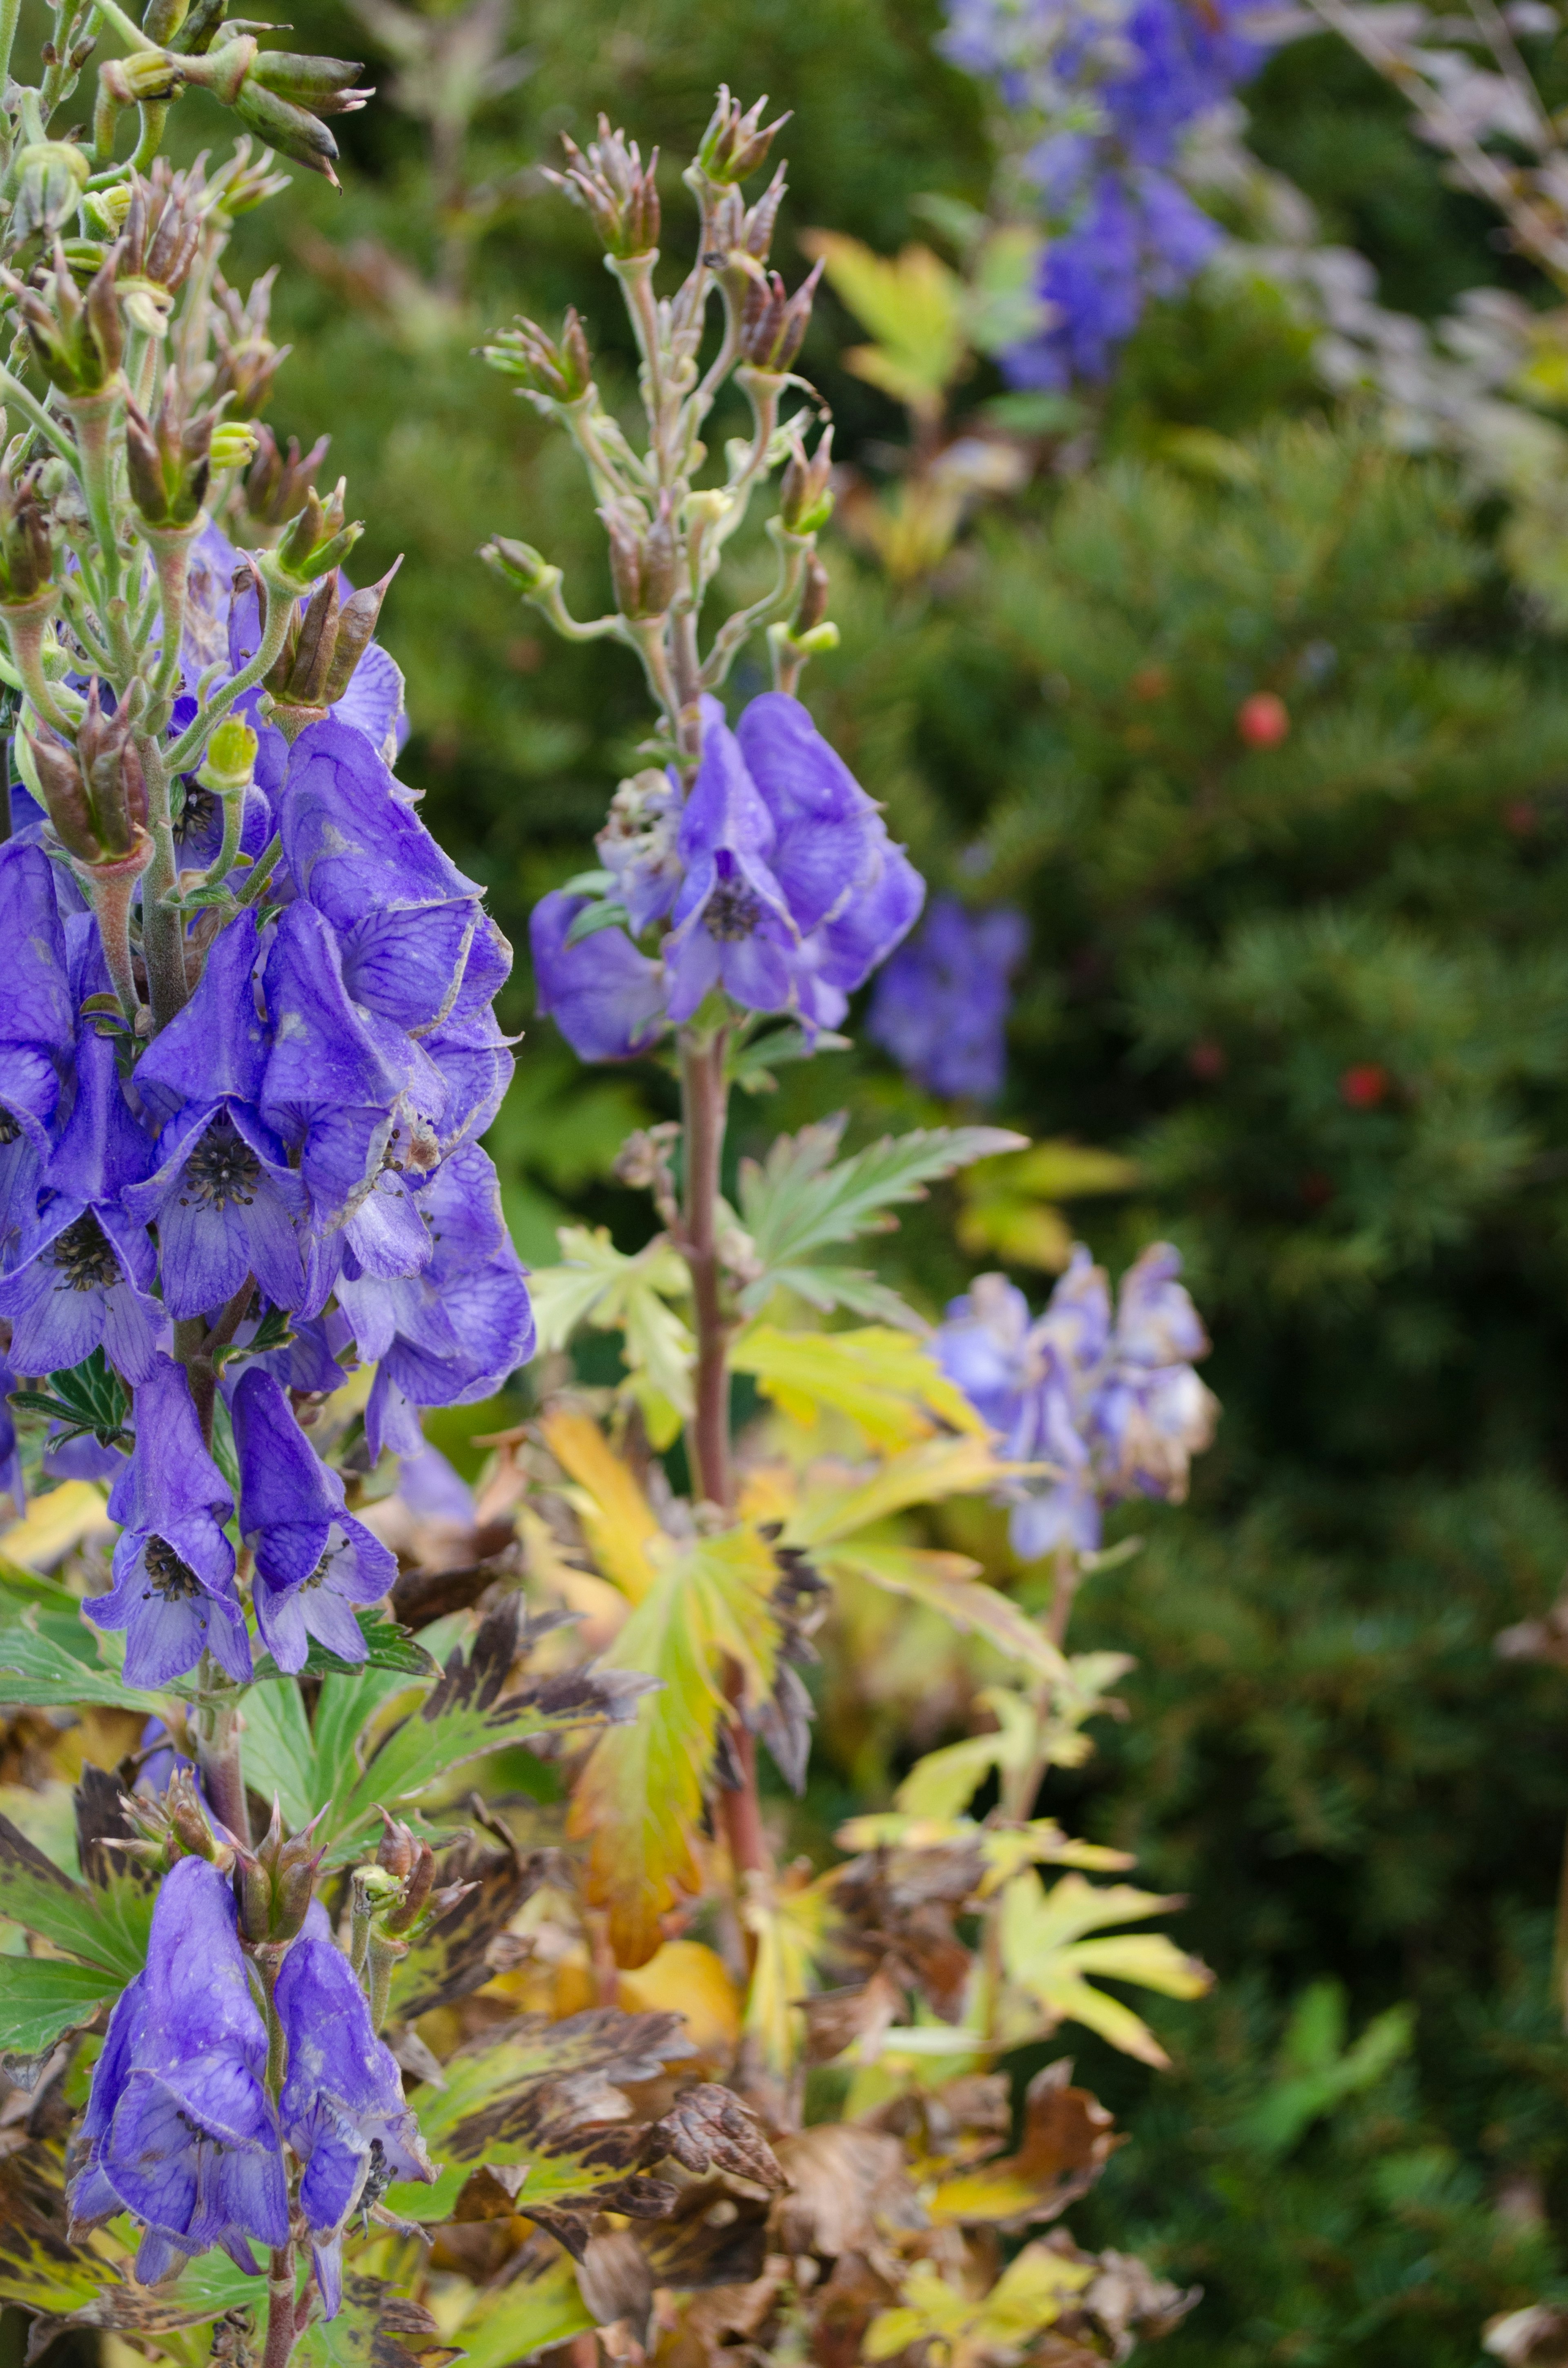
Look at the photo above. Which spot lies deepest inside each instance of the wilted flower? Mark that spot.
(941, 1007)
(179, 2130)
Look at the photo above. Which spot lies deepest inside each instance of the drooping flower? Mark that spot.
(314, 1560)
(327, 1090)
(224, 1197)
(85, 1267)
(179, 2130)
(173, 1567)
(607, 998)
(940, 1006)
(1110, 1410)
(37, 1026)
(342, 2104)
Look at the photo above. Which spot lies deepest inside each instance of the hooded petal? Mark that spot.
(604, 996)
(215, 1049)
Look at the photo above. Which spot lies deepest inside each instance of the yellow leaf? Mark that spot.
(882, 1380)
(913, 305)
(54, 1524)
(617, 1520)
(1007, 1200)
(790, 1923)
(686, 1978)
(639, 1798)
(948, 1583)
(831, 1509)
(1044, 1955)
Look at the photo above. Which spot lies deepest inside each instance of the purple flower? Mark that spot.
(1111, 1409)
(179, 2130)
(11, 1481)
(342, 2104)
(452, 1333)
(607, 998)
(174, 1569)
(314, 1560)
(941, 1007)
(37, 1026)
(327, 1090)
(222, 1196)
(85, 1267)
(638, 847)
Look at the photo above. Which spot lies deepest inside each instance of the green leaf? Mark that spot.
(278, 1751)
(41, 1997)
(540, 2307)
(589, 884)
(387, 1646)
(106, 1928)
(950, 1584)
(542, 2094)
(376, 2327)
(39, 2269)
(797, 1200)
(610, 915)
(41, 1670)
(751, 1064)
(835, 1286)
(598, 1284)
(90, 1395)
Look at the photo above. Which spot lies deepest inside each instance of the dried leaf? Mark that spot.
(708, 2128)
(848, 2190)
(449, 1959)
(1068, 2139)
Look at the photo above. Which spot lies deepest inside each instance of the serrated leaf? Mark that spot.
(751, 1065)
(886, 1383)
(796, 1202)
(913, 304)
(376, 2327)
(39, 2269)
(830, 1509)
(541, 2306)
(948, 1583)
(834, 1286)
(105, 1926)
(41, 1670)
(544, 2094)
(42, 1997)
(1045, 1957)
(278, 1751)
(599, 1285)
(448, 1958)
(639, 1798)
(387, 1646)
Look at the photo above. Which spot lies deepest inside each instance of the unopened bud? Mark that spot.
(321, 83)
(417, 1885)
(169, 458)
(95, 795)
(27, 553)
(229, 765)
(519, 563)
(805, 490)
(813, 597)
(642, 567)
(735, 143)
(234, 444)
(247, 358)
(773, 324)
(163, 229)
(47, 179)
(275, 1883)
(292, 130)
(614, 187)
(319, 541)
(756, 235)
(276, 487)
(397, 1849)
(562, 373)
(76, 340)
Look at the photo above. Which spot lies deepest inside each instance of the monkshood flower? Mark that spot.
(173, 1567)
(37, 1028)
(11, 1482)
(313, 1561)
(780, 887)
(452, 1333)
(342, 2104)
(84, 1267)
(179, 2130)
(222, 1194)
(940, 1006)
(1112, 1408)
(328, 1090)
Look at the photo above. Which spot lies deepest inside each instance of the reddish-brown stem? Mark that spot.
(282, 2324)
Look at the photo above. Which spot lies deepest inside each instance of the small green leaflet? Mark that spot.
(387, 1646)
(42, 1997)
(595, 918)
(751, 1065)
(797, 1200)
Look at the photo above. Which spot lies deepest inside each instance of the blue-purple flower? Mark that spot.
(37, 1026)
(179, 2130)
(12, 1483)
(327, 1091)
(342, 2104)
(85, 1267)
(224, 1197)
(174, 1567)
(1110, 1408)
(940, 1006)
(313, 1561)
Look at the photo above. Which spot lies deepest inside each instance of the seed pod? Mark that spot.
(772, 325)
(276, 487)
(813, 597)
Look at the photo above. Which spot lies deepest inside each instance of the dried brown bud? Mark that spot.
(247, 358)
(813, 597)
(772, 324)
(27, 553)
(275, 1883)
(276, 487)
(95, 793)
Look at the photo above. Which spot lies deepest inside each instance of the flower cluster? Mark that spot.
(180, 2130)
(940, 1006)
(773, 883)
(297, 1148)
(1107, 97)
(1106, 1401)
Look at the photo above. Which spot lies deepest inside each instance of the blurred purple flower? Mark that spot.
(940, 1006)
(179, 2130)
(37, 1026)
(313, 1561)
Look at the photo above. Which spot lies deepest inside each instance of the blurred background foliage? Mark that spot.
(1315, 987)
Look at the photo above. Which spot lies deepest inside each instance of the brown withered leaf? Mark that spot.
(836, 2018)
(708, 2128)
(100, 1818)
(711, 2238)
(615, 2281)
(898, 1906)
(1123, 2305)
(720, 2311)
(450, 1958)
(848, 2190)
(1068, 2139)
(40, 2269)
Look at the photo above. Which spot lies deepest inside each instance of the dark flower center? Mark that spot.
(197, 813)
(734, 911)
(377, 2178)
(9, 1130)
(173, 1579)
(83, 1258)
(322, 1570)
(222, 1168)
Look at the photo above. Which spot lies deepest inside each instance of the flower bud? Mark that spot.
(773, 324)
(247, 358)
(613, 185)
(291, 129)
(562, 373)
(756, 235)
(229, 765)
(323, 649)
(77, 340)
(169, 458)
(198, 27)
(805, 494)
(321, 84)
(147, 77)
(417, 1885)
(95, 793)
(276, 487)
(319, 541)
(27, 554)
(173, 1825)
(735, 143)
(813, 597)
(519, 563)
(275, 1883)
(47, 178)
(234, 443)
(396, 1852)
(163, 229)
(642, 567)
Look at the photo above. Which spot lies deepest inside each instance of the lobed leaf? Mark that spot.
(948, 1583)
(540, 2307)
(105, 1928)
(796, 1202)
(886, 1383)
(50, 1660)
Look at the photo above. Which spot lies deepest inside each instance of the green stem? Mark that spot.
(10, 10)
(109, 888)
(91, 416)
(28, 405)
(261, 871)
(163, 923)
(276, 608)
(218, 1751)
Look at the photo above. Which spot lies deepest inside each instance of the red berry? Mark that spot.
(1365, 1085)
(1263, 720)
(1205, 1059)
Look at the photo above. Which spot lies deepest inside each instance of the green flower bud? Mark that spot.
(319, 541)
(735, 143)
(45, 183)
(229, 765)
(562, 373)
(805, 490)
(77, 340)
(519, 563)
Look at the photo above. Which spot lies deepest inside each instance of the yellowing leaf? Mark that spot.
(833, 1507)
(884, 1381)
(599, 1285)
(969, 2328)
(617, 1520)
(1045, 1957)
(941, 1783)
(638, 1801)
(54, 1524)
(947, 1583)
(1006, 1202)
(790, 1925)
(911, 304)
(685, 1978)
